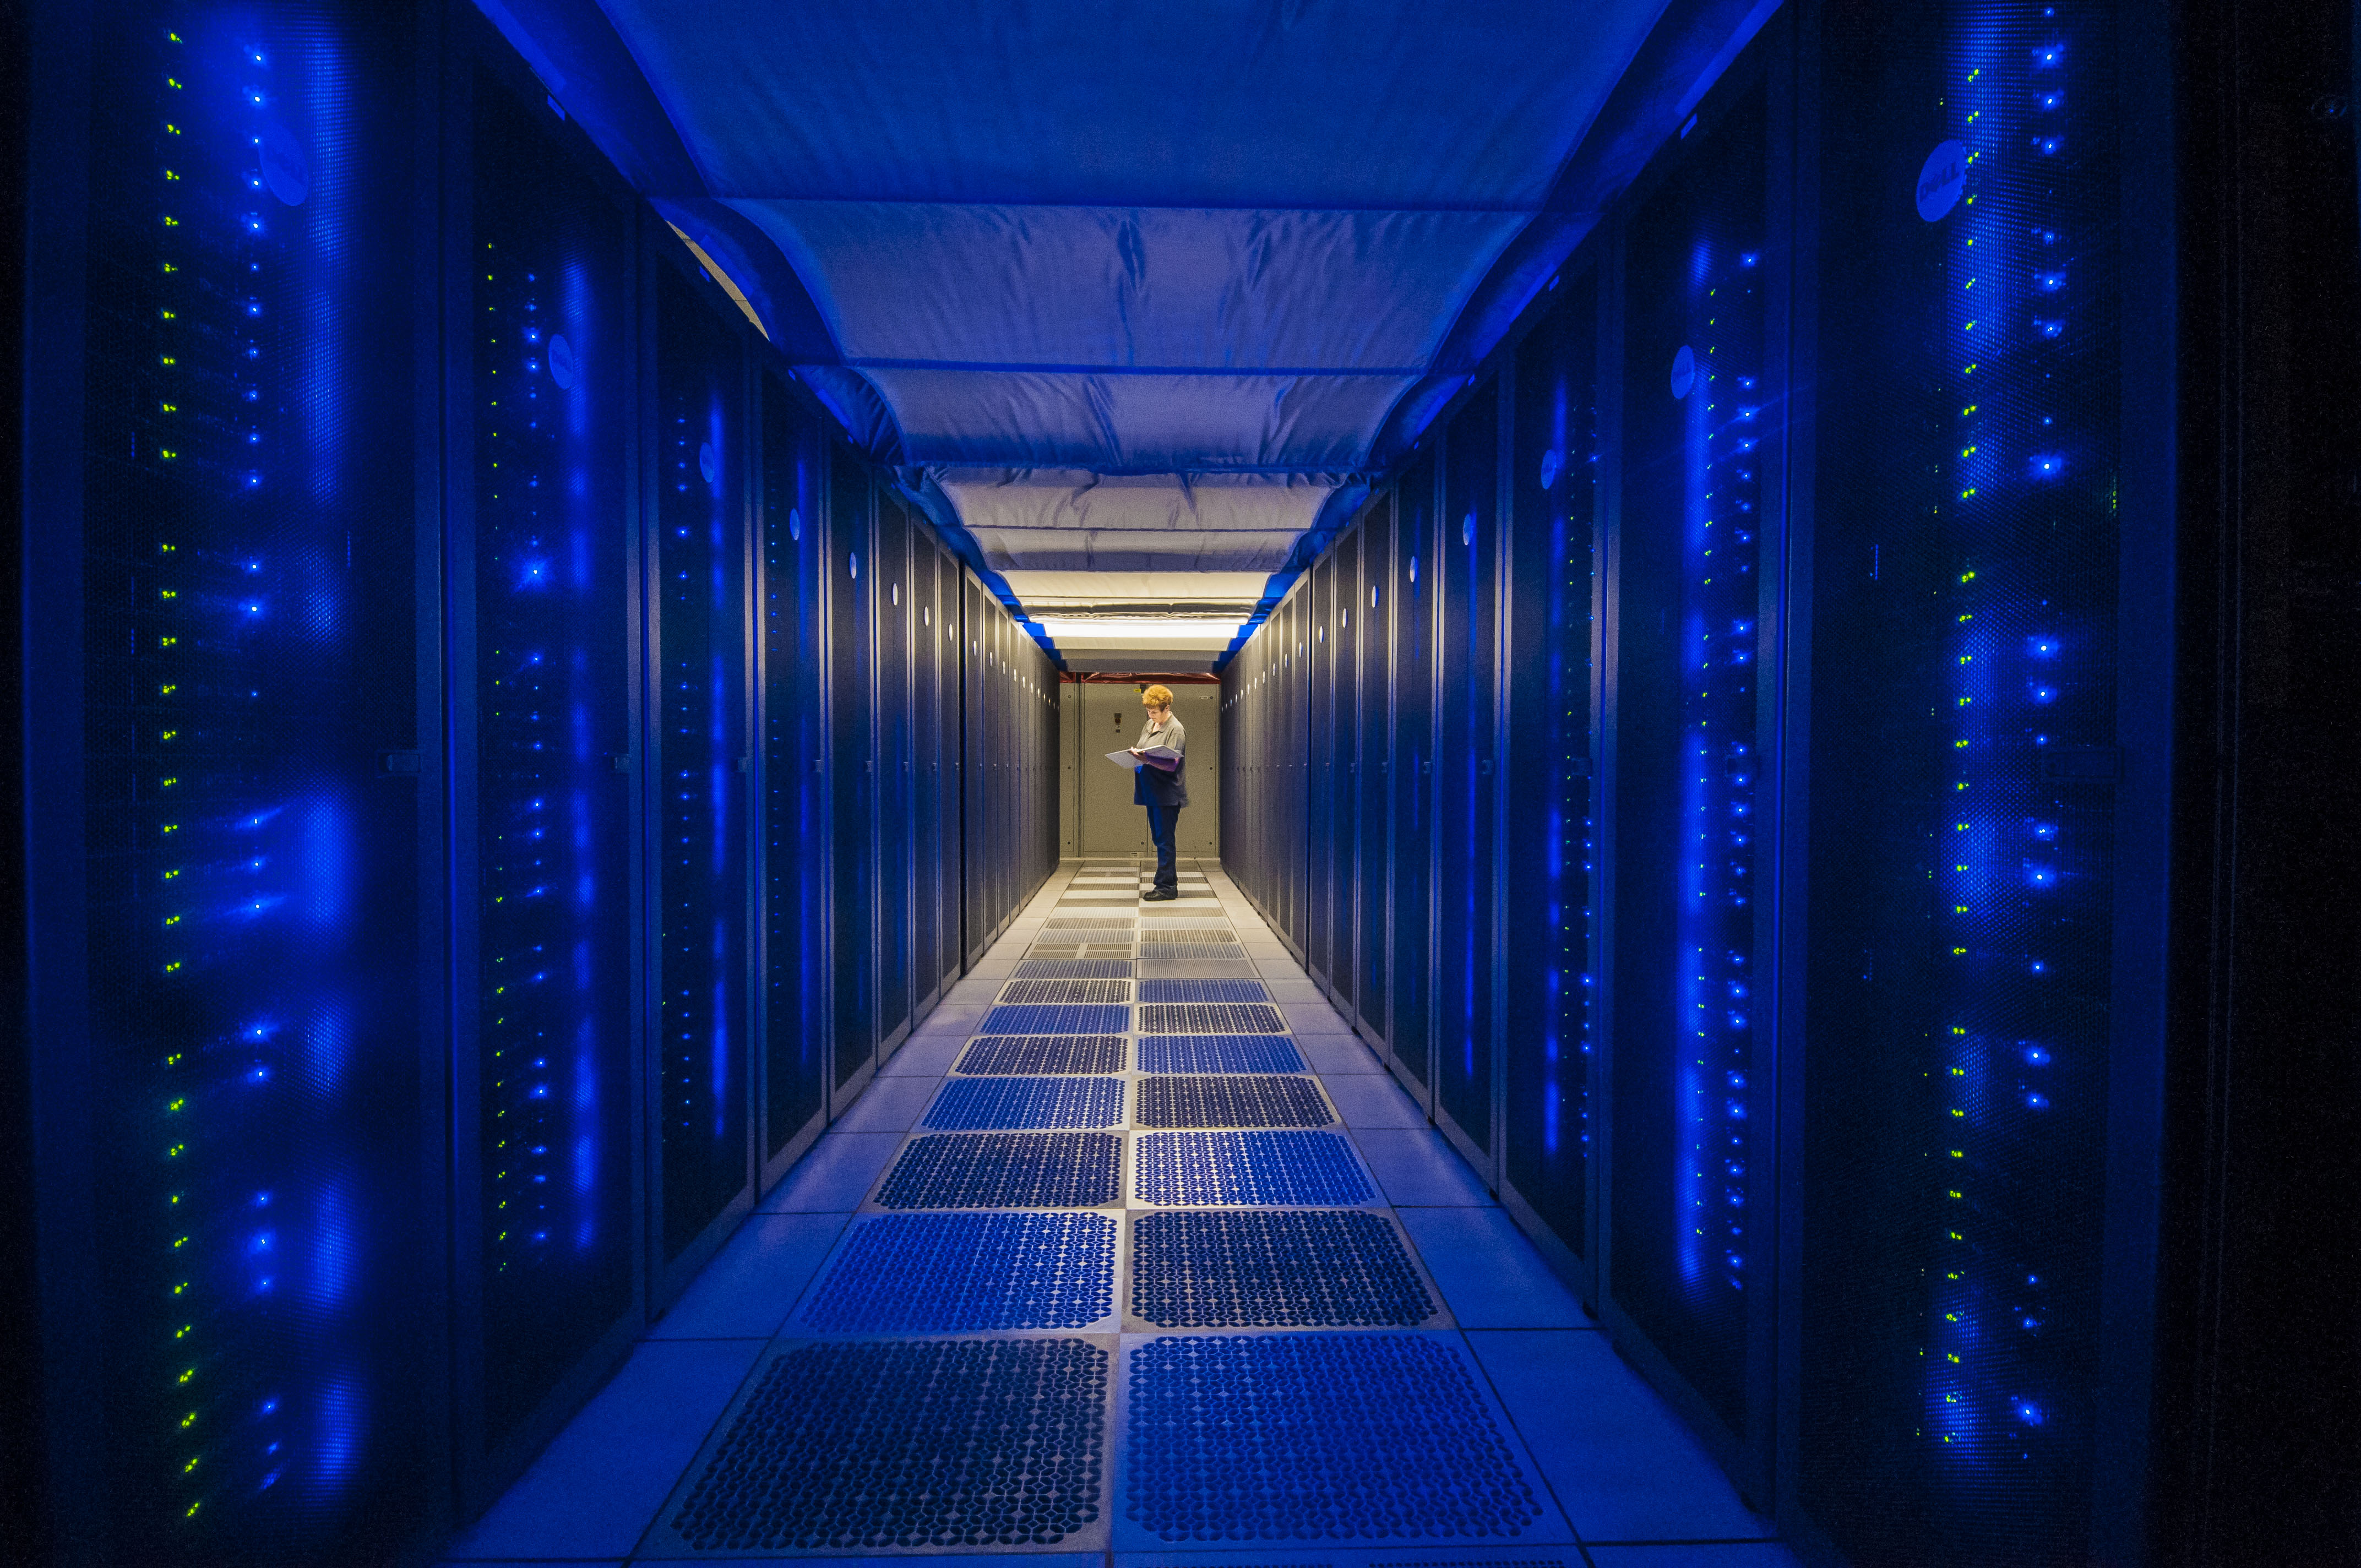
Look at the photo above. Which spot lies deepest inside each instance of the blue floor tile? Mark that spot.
(953, 1273)
(1623, 1465)
(1489, 1273)
(1317, 1438)
(835, 1177)
(890, 1104)
(1726, 1554)
(1416, 1166)
(1367, 1101)
(746, 1292)
(595, 1489)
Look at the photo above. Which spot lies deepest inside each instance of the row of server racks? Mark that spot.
(504, 770)
(1726, 773)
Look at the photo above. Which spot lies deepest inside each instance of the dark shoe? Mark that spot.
(1159, 896)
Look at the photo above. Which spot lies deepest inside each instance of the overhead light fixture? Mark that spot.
(1143, 631)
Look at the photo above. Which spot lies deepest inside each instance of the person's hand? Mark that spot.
(1137, 752)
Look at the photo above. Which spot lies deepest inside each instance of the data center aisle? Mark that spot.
(1134, 1249)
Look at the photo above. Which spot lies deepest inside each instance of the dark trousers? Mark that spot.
(1161, 821)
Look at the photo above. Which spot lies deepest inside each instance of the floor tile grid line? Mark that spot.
(1274, 966)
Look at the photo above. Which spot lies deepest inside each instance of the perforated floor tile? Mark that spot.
(1247, 1167)
(1173, 931)
(927, 1443)
(1018, 1054)
(1005, 1020)
(1074, 968)
(1340, 1268)
(1160, 920)
(1196, 969)
(1080, 950)
(1202, 991)
(1219, 1053)
(942, 1273)
(975, 1103)
(1163, 949)
(1317, 1437)
(1211, 1018)
(1253, 1100)
(1006, 1170)
(1090, 923)
(1062, 993)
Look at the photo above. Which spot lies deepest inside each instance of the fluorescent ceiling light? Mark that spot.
(1142, 631)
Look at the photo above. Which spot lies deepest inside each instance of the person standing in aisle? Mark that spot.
(1163, 794)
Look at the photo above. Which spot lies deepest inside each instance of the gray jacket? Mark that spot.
(1151, 783)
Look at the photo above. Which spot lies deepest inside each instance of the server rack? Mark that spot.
(926, 782)
(1972, 982)
(541, 534)
(797, 839)
(699, 478)
(1345, 948)
(1548, 1018)
(1411, 845)
(232, 722)
(853, 765)
(890, 604)
(1466, 748)
(1375, 604)
(954, 765)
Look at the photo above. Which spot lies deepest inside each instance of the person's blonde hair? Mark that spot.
(1157, 696)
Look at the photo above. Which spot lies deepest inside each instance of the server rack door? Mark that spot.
(1690, 584)
(698, 645)
(926, 772)
(1320, 717)
(976, 764)
(541, 532)
(1466, 559)
(890, 594)
(796, 1016)
(1545, 1148)
(852, 741)
(232, 783)
(1344, 854)
(948, 800)
(1964, 841)
(1376, 602)
(1295, 869)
